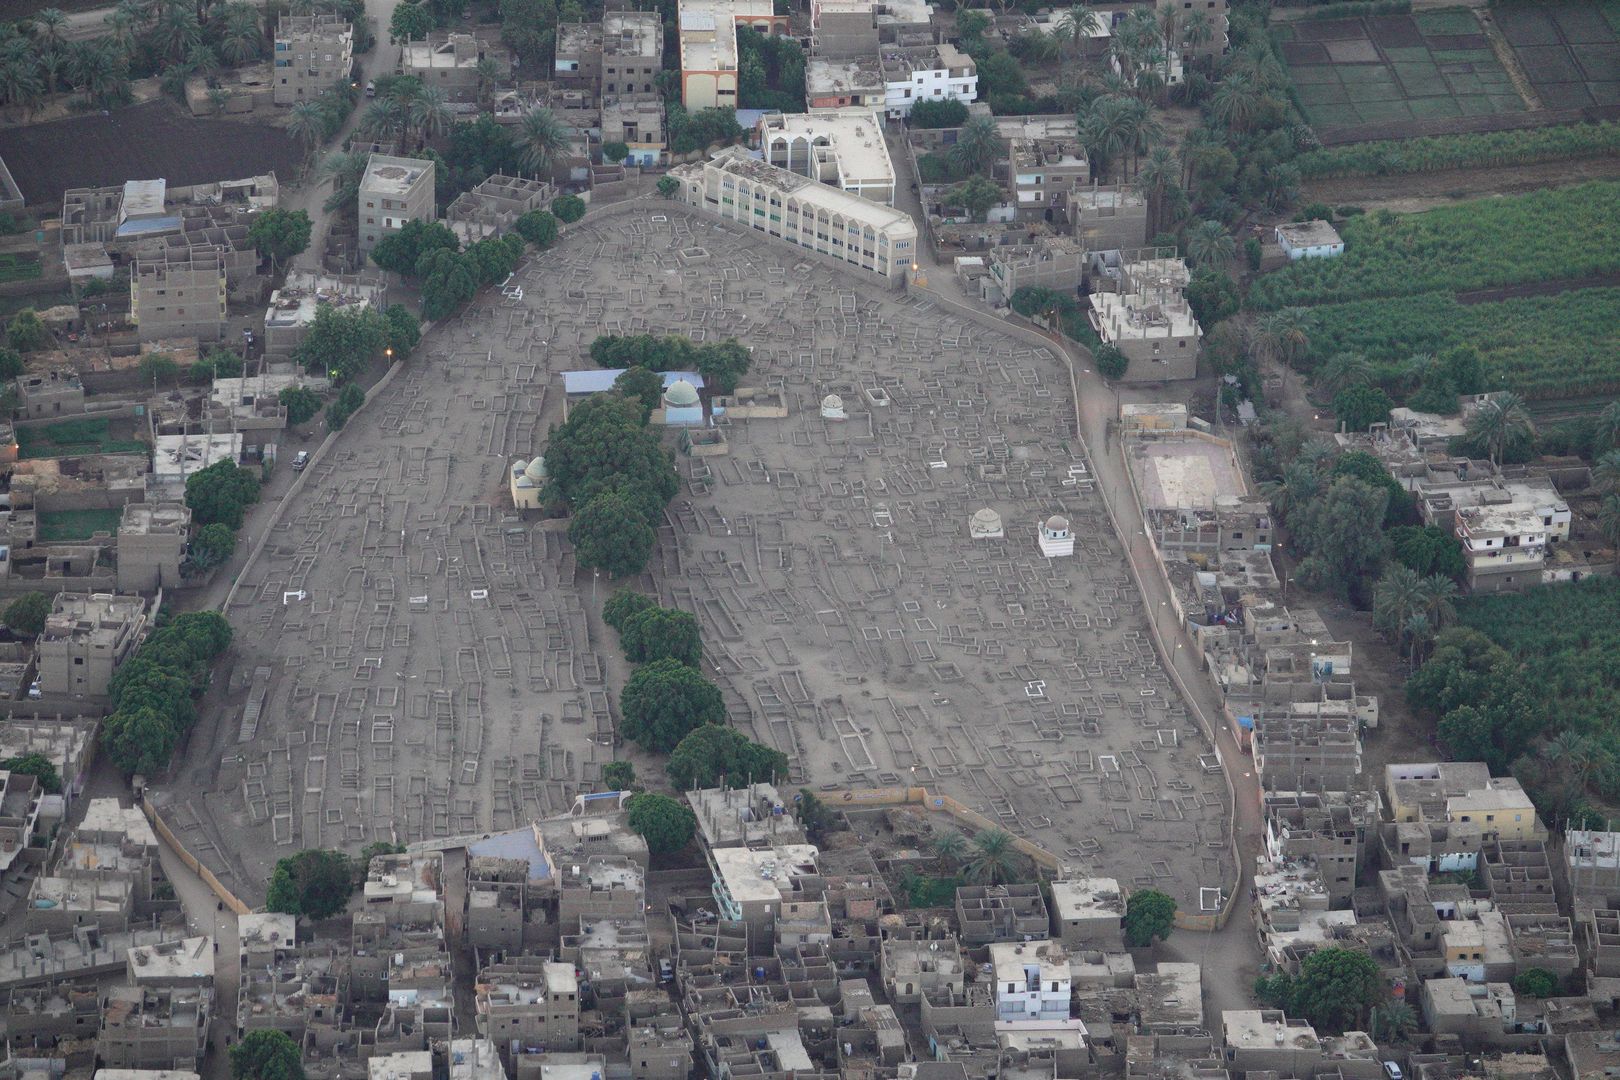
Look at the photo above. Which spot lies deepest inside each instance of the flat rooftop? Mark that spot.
(1316, 233)
(1184, 474)
(143, 519)
(188, 958)
(1256, 1029)
(1088, 898)
(861, 75)
(296, 302)
(632, 33)
(390, 176)
(708, 30)
(760, 875)
(91, 617)
(854, 134)
(736, 161)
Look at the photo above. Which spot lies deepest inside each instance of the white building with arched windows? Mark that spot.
(841, 147)
(818, 217)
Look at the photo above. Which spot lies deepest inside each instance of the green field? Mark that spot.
(19, 268)
(1485, 243)
(1390, 69)
(73, 438)
(67, 525)
(1542, 346)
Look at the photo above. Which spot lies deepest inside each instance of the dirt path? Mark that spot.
(1425, 191)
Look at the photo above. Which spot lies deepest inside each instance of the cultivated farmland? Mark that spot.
(1546, 236)
(1569, 50)
(1563, 345)
(1392, 69)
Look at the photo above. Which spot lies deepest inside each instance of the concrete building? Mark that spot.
(1592, 867)
(708, 47)
(1108, 217)
(843, 148)
(151, 545)
(1461, 792)
(86, 638)
(1089, 913)
(843, 29)
(929, 73)
(449, 60)
(1154, 327)
(577, 56)
(991, 913)
(1309, 240)
(20, 797)
(524, 482)
(293, 307)
(49, 393)
(1032, 981)
(394, 191)
(187, 962)
(1506, 527)
(153, 1027)
(41, 1019)
(632, 55)
(312, 53)
(528, 1002)
(179, 292)
(1332, 831)
(1055, 263)
(803, 212)
(912, 967)
(754, 816)
(70, 745)
(836, 83)
(1044, 172)
(638, 122)
(752, 885)
(491, 208)
(1265, 1039)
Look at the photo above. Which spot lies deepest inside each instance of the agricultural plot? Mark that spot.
(1564, 345)
(1435, 65)
(1568, 48)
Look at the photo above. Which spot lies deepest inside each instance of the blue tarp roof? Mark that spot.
(138, 226)
(517, 844)
(600, 380)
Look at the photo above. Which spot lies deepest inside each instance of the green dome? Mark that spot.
(681, 394)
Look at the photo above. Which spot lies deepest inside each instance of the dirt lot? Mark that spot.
(1425, 191)
(139, 143)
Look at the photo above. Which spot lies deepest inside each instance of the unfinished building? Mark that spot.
(179, 292)
(491, 208)
(86, 638)
(313, 52)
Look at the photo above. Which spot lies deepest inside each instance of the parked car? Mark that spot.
(1392, 1070)
(371, 88)
(300, 461)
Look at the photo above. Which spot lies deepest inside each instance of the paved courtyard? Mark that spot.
(446, 670)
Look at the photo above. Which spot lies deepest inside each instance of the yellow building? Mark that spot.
(525, 479)
(708, 37)
(1461, 791)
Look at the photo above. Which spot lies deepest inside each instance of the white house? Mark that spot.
(1032, 981)
(1309, 240)
(928, 73)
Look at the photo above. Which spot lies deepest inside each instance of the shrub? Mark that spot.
(568, 208)
(1111, 362)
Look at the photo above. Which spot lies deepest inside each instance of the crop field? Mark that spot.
(1568, 48)
(1561, 234)
(1434, 65)
(64, 526)
(1563, 345)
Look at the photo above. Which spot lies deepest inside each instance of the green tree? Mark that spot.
(1213, 296)
(938, 113)
(568, 208)
(623, 605)
(449, 280)
(611, 533)
(1401, 508)
(266, 1054)
(1498, 422)
(976, 195)
(639, 384)
(214, 544)
(403, 330)
(402, 252)
(1353, 553)
(11, 363)
(1111, 362)
(668, 186)
(618, 776)
(221, 493)
(977, 146)
(1536, 983)
(723, 364)
(543, 142)
(345, 405)
(1336, 988)
(1463, 369)
(1150, 915)
(301, 403)
(158, 370)
(1393, 1021)
(1428, 549)
(658, 632)
(539, 227)
(615, 152)
(410, 22)
(813, 814)
(26, 614)
(950, 847)
(666, 825)
(313, 882)
(971, 23)
(1210, 245)
(27, 332)
(664, 701)
(341, 341)
(713, 755)
(603, 446)
(39, 767)
(1359, 407)
(993, 859)
(279, 235)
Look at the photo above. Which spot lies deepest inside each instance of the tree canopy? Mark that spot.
(152, 691)
(221, 493)
(610, 532)
(618, 776)
(662, 702)
(268, 1053)
(279, 234)
(302, 403)
(604, 446)
(712, 756)
(341, 341)
(26, 614)
(721, 363)
(1335, 990)
(313, 882)
(666, 825)
(1150, 915)
(654, 633)
(39, 767)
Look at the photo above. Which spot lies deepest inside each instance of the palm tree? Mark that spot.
(1300, 485)
(1499, 421)
(202, 60)
(384, 119)
(1144, 130)
(1103, 132)
(19, 82)
(1609, 524)
(490, 73)
(1440, 600)
(430, 113)
(1156, 174)
(1038, 47)
(1077, 25)
(1419, 632)
(1169, 22)
(177, 30)
(97, 67)
(1151, 80)
(1340, 372)
(1606, 473)
(52, 66)
(1606, 432)
(1396, 598)
(1235, 102)
(1196, 29)
(543, 140)
(994, 859)
(950, 846)
(243, 38)
(50, 27)
(1209, 244)
(345, 170)
(978, 146)
(1392, 1021)
(307, 124)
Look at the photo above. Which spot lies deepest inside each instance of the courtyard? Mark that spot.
(415, 661)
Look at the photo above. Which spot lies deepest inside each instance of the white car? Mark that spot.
(1392, 1070)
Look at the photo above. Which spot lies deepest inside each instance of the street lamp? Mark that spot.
(389, 353)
